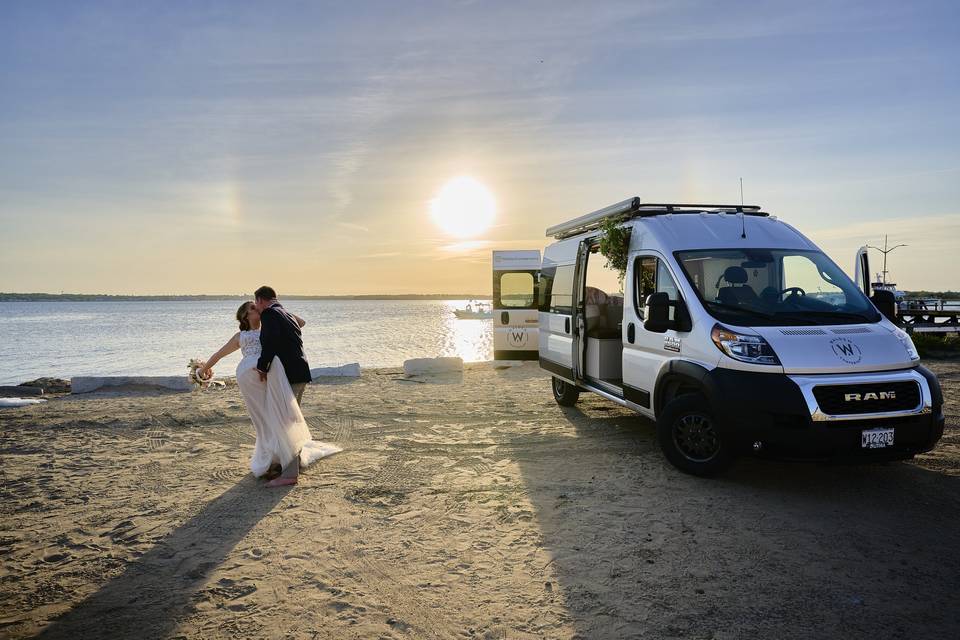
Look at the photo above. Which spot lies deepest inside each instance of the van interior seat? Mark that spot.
(735, 294)
(604, 313)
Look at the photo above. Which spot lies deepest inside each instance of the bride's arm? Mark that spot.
(300, 321)
(232, 345)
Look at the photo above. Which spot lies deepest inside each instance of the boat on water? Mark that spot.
(475, 311)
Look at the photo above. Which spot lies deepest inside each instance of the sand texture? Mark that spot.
(465, 505)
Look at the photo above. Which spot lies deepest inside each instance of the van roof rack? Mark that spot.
(634, 208)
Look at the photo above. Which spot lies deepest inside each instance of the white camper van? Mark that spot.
(735, 333)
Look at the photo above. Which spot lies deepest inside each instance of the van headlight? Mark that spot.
(745, 347)
(907, 343)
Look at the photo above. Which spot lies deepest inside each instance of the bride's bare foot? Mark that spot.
(272, 472)
(281, 482)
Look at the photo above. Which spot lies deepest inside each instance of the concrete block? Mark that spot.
(420, 366)
(20, 392)
(351, 370)
(19, 402)
(86, 384)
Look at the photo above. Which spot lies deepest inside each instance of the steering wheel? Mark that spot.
(793, 291)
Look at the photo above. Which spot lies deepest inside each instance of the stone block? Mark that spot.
(20, 392)
(351, 370)
(86, 384)
(421, 366)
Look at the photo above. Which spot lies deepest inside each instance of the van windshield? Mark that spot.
(774, 287)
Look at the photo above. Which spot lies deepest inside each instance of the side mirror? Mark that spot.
(656, 312)
(885, 303)
(682, 321)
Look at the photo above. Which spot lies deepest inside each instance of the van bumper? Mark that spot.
(780, 413)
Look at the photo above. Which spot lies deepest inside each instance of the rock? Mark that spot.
(351, 370)
(86, 384)
(50, 385)
(420, 366)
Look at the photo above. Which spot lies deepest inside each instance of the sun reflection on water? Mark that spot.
(471, 340)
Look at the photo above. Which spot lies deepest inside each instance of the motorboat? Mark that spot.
(475, 311)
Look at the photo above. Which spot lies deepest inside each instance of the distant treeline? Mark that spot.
(943, 295)
(93, 297)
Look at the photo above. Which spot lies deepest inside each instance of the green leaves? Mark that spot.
(615, 245)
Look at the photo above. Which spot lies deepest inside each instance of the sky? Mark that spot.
(210, 147)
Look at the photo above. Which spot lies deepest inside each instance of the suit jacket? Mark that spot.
(280, 336)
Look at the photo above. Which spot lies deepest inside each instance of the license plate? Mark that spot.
(876, 438)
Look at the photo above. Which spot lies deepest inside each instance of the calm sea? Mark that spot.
(64, 339)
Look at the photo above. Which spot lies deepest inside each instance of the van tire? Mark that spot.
(690, 437)
(564, 393)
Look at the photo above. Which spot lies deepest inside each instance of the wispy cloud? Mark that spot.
(355, 227)
(313, 126)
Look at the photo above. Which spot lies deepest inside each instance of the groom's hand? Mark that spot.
(263, 375)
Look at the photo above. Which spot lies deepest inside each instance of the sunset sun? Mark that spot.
(463, 207)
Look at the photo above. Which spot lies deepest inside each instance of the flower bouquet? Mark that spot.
(194, 376)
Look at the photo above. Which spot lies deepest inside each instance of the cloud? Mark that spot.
(355, 227)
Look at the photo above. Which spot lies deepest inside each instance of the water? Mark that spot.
(65, 339)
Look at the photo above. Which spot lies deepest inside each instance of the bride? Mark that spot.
(279, 424)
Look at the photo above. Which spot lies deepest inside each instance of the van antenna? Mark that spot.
(743, 218)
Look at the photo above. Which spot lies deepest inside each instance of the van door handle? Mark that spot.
(631, 333)
(566, 325)
(504, 317)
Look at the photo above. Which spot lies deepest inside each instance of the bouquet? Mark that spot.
(194, 376)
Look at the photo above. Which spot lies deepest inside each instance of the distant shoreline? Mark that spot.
(94, 297)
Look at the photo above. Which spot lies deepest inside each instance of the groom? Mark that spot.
(280, 336)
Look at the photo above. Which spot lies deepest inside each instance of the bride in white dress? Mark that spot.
(279, 424)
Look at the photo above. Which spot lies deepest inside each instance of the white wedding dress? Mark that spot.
(279, 424)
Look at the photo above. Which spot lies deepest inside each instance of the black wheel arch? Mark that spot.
(678, 377)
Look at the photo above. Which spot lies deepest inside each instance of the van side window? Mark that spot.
(545, 288)
(561, 298)
(645, 273)
(517, 290)
(652, 276)
(666, 284)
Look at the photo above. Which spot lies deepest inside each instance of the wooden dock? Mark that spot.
(930, 320)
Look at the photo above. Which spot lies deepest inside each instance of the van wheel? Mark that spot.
(565, 393)
(690, 437)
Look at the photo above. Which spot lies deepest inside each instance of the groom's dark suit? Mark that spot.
(280, 336)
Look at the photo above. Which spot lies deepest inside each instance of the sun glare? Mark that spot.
(464, 207)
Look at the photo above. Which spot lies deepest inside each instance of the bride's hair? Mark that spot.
(242, 316)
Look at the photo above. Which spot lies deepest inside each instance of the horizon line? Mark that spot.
(231, 296)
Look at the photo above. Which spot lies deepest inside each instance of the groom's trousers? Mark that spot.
(292, 469)
(298, 388)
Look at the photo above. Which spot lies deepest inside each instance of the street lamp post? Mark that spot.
(885, 251)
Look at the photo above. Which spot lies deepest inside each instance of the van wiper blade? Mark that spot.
(802, 318)
(748, 310)
(842, 314)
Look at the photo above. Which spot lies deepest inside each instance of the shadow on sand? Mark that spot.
(772, 549)
(150, 597)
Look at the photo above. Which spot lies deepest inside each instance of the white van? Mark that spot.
(736, 334)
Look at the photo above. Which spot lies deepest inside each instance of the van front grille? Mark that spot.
(876, 397)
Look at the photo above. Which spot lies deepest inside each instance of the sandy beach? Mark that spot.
(463, 506)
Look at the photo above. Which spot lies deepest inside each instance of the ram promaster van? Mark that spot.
(730, 329)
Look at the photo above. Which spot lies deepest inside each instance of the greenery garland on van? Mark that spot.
(615, 245)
